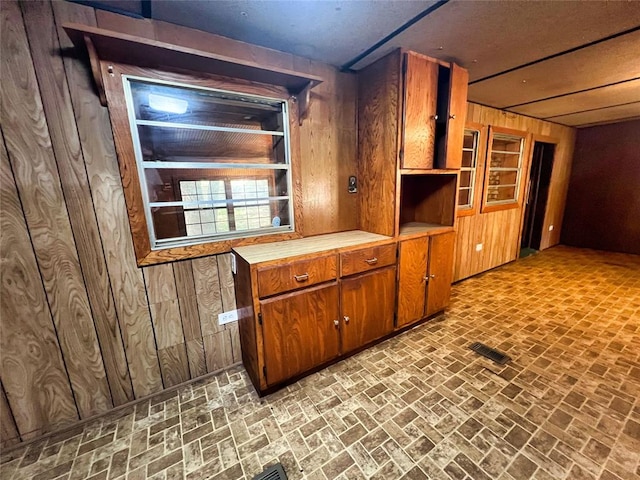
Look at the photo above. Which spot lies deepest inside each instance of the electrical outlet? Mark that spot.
(550, 227)
(228, 317)
(478, 247)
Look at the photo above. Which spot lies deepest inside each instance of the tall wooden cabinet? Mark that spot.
(411, 115)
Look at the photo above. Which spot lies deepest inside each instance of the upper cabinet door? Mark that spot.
(457, 112)
(419, 115)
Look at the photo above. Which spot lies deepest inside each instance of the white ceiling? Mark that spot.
(505, 45)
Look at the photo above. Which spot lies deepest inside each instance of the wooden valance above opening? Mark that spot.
(107, 45)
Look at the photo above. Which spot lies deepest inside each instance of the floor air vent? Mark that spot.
(275, 472)
(490, 353)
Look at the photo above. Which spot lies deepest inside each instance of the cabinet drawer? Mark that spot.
(366, 259)
(297, 274)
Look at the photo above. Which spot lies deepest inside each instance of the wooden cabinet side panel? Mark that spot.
(411, 280)
(459, 80)
(299, 331)
(419, 123)
(368, 301)
(378, 118)
(440, 272)
(247, 320)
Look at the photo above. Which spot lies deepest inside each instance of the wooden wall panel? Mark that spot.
(36, 175)
(499, 232)
(44, 44)
(104, 179)
(31, 366)
(188, 303)
(8, 431)
(603, 206)
(140, 330)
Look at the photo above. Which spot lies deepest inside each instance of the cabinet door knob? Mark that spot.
(372, 261)
(452, 117)
(301, 278)
(426, 279)
(336, 323)
(432, 276)
(346, 319)
(434, 117)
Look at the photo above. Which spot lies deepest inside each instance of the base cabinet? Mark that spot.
(424, 278)
(368, 303)
(299, 331)
(305, 303)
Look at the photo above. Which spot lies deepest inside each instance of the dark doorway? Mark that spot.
(536, 202)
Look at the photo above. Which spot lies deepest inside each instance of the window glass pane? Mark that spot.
(463, 198)
(468, 170)
(506, 143)
(465, 178)
(468, 159)
(505, 160)
(174, 104)
(501, 193)
(209, 185)
(169, 144)
(469, 139)
(502, 177)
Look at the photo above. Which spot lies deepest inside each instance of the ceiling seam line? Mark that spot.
(575, 92)
(593, 109)
(555, 55)
(347, 66)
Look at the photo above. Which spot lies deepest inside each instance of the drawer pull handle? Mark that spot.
(372, 261)
(301, 278)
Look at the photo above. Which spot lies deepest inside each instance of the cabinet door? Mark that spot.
(456, 114)
(440, 272)
(420, 102)
(368, 302)
(299, 331)
(412, 280)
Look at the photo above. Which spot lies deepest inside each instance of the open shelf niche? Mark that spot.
(427, 202)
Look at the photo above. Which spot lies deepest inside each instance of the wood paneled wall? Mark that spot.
(499, 232)
(82, 329)
(603, 204)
